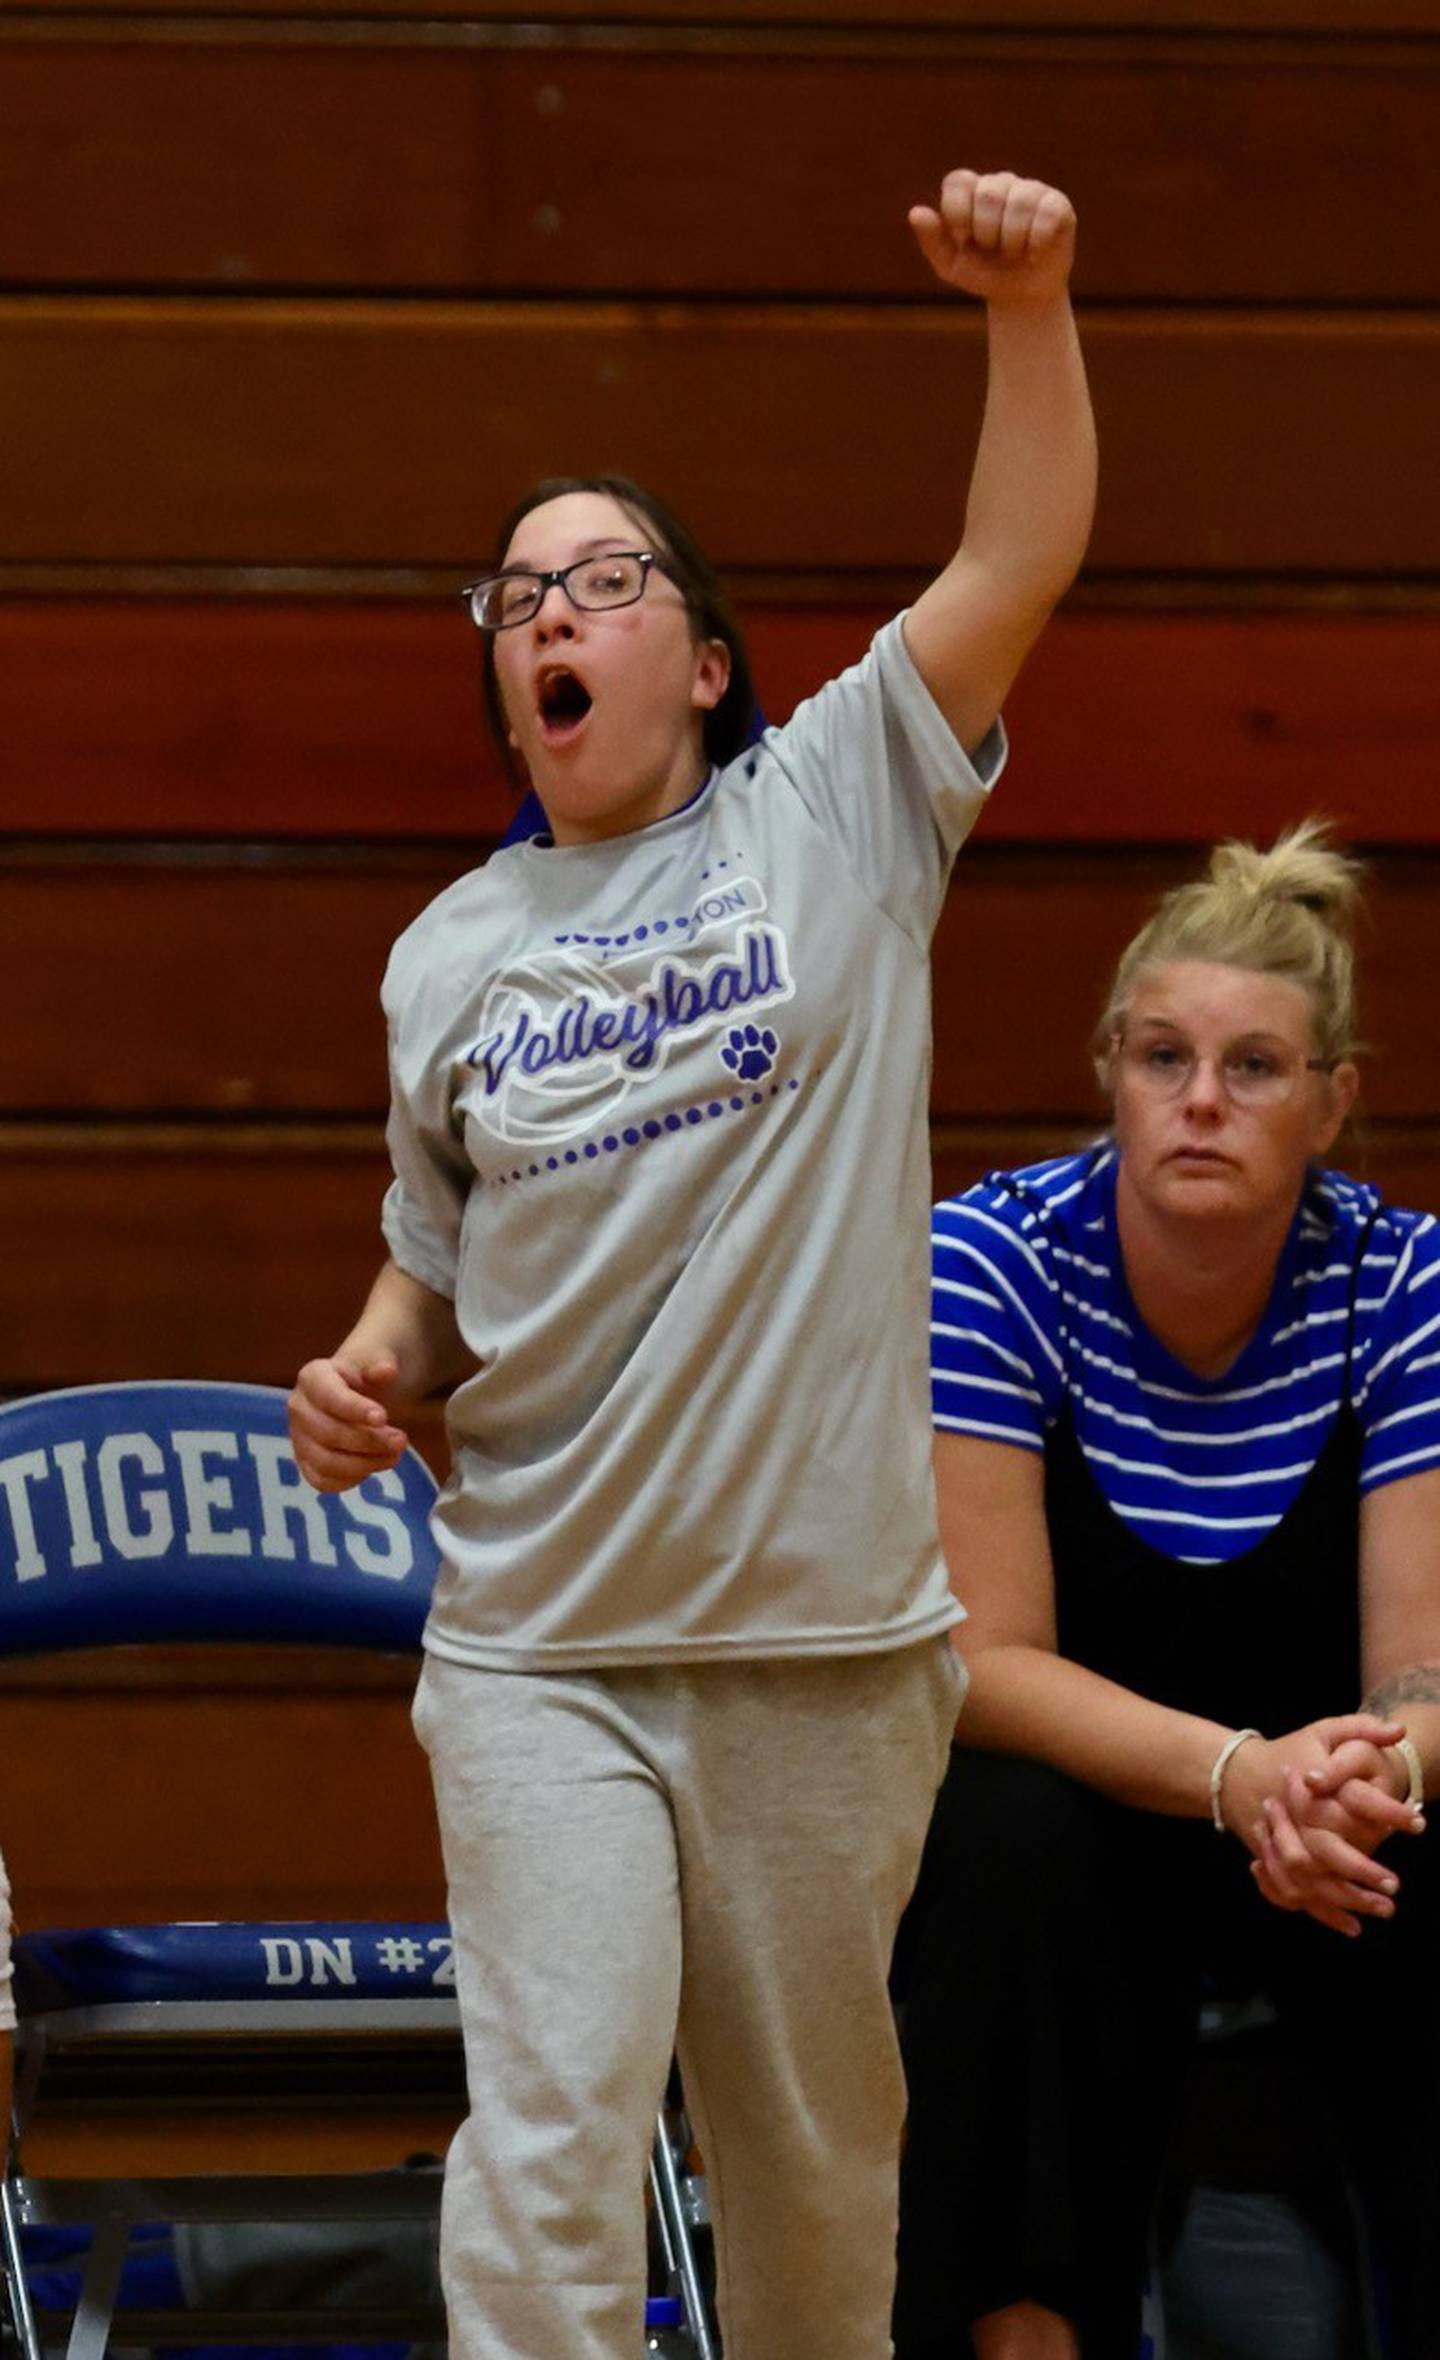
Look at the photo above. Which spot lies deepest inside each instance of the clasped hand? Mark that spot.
(1313, 1807)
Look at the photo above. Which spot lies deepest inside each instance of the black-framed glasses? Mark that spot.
(616, 577)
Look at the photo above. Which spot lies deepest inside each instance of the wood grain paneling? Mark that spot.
(1246, 16)
(271, 720)
(261, 720)
(391, 434)
(241, 1257)
(342, 166)
(502, 169)
(296, 1805)
(1402, 1160)
(1038, 937)
(200, 987)
(199, 990)
(155, 1253)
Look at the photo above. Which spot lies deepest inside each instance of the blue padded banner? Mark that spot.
(284, 1959)
(168, 1511)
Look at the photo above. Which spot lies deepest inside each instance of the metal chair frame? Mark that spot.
(114, 2208)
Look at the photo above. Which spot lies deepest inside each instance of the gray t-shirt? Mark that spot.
(660, 1127)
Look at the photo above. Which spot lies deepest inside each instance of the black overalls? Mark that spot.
(1054, 1953)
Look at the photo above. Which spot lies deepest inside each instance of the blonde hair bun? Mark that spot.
(1301, 866)
(1289, 910)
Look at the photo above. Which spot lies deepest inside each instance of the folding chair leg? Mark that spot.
(95, 2311)
(679, 2244)
(22, 2313)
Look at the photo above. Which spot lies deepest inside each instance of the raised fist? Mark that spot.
(1000, 238)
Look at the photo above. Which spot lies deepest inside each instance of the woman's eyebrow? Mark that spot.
(1258, 1035)
(583, 549)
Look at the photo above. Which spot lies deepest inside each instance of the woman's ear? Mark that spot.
(712, 675)
(1344, 1080)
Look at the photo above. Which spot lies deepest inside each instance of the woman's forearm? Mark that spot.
(1412, 1695)
(415, 1326)
(1032, 488)
(1026, 1700)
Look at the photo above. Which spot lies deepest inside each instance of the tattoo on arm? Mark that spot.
(1418, 1683)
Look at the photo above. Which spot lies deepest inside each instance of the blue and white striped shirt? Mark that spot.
(1031, 1312)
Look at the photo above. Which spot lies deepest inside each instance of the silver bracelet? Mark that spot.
(1222, 1763)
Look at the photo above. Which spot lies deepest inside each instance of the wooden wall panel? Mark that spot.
(770, 170)
(1246, 16)
(241, 719)
(199, 990)
(1162, 727)
(265, 433)
(296, 1805)
(1038, 937)
(1403, 1161)
(341, 166)
(182, 1253)
(273, 719)
(241, 1258)
(150, 988)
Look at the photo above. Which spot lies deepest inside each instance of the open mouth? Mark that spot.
(563, 701)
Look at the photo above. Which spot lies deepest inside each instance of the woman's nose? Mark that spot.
(1205, 1088)
(554, 617)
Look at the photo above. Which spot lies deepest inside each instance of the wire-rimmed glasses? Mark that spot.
(1251, 1072)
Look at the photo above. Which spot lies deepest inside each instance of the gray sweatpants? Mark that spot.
(712, 1859)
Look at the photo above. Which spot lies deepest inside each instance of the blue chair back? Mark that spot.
(146, 1512)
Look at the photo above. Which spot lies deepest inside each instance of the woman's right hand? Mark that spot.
(998, 237)
(340, 1424)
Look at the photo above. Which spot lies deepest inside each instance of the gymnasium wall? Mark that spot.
(294, 297)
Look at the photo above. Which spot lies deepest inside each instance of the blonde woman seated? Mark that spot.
(1187, 1386)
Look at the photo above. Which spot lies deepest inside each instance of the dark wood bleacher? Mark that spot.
(295, 295)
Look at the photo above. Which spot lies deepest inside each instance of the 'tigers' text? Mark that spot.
(214, 1493)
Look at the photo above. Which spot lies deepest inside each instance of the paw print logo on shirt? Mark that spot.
(750, 1051)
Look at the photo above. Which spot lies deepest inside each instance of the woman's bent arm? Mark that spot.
(1024, 1698)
